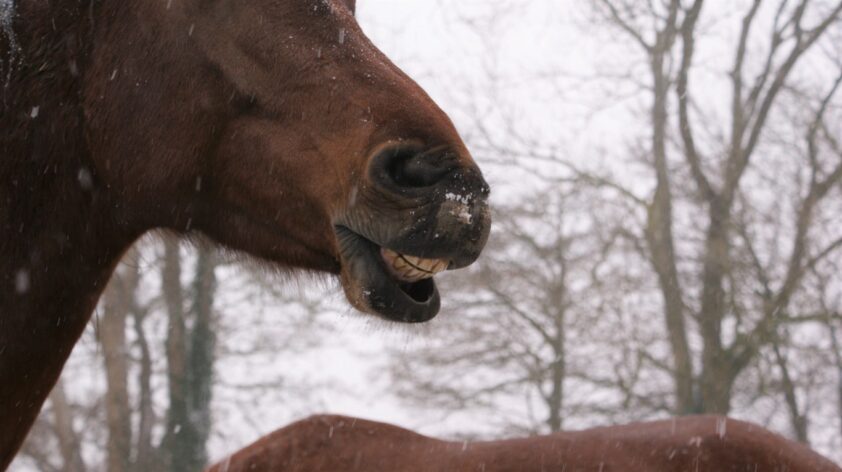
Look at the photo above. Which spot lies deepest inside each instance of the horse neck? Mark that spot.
(58, 247)
(58, 240)
(50, 280)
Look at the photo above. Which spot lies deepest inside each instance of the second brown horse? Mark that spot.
(689, 444)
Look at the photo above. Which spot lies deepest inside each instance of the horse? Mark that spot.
(688, 444)
(273, 128)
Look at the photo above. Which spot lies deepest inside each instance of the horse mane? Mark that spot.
(44, 48)
(9, 48)
(7, 12)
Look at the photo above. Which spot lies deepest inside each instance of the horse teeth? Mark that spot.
(425, 264)
(413, 275)
(411, 268)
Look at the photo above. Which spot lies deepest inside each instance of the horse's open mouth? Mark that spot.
(398, 287)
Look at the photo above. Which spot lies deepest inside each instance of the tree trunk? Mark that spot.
(660, 240)
(68, 440)
(837, 357)
(556, 401)
(146, 456)
(190, 360)
(202, 343)
(118, 300)
(717, 376)
(797, 419)
(172, 445)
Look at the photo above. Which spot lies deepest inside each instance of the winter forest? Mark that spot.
(667, 240)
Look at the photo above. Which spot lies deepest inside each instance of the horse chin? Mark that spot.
(373, 288)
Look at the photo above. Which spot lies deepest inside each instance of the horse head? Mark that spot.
(278, 129)
(274, 127)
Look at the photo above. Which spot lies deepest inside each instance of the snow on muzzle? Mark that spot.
(410, 268)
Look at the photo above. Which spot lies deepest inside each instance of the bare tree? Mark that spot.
(718, 174)
(732, 194)
(190, 358)
(717, 268)
(526, 322)
(837, 359)
(118, 302)
(160, 344)
(69, 443)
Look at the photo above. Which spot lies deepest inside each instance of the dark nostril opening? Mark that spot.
(408, 166)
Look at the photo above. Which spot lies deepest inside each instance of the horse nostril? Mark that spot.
(409, 166)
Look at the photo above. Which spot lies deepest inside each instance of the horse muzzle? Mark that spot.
(421, 216)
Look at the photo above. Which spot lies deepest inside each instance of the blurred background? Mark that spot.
(667, 188)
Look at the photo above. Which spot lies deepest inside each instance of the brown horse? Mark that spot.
(273, 127)
(689, 444)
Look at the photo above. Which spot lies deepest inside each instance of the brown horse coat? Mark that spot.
(272, 127)
(689, 444)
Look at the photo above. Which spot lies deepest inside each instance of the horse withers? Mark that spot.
(272, 127)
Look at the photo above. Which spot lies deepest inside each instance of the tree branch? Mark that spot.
(739, 160)
(618, 19)
(691, 153)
